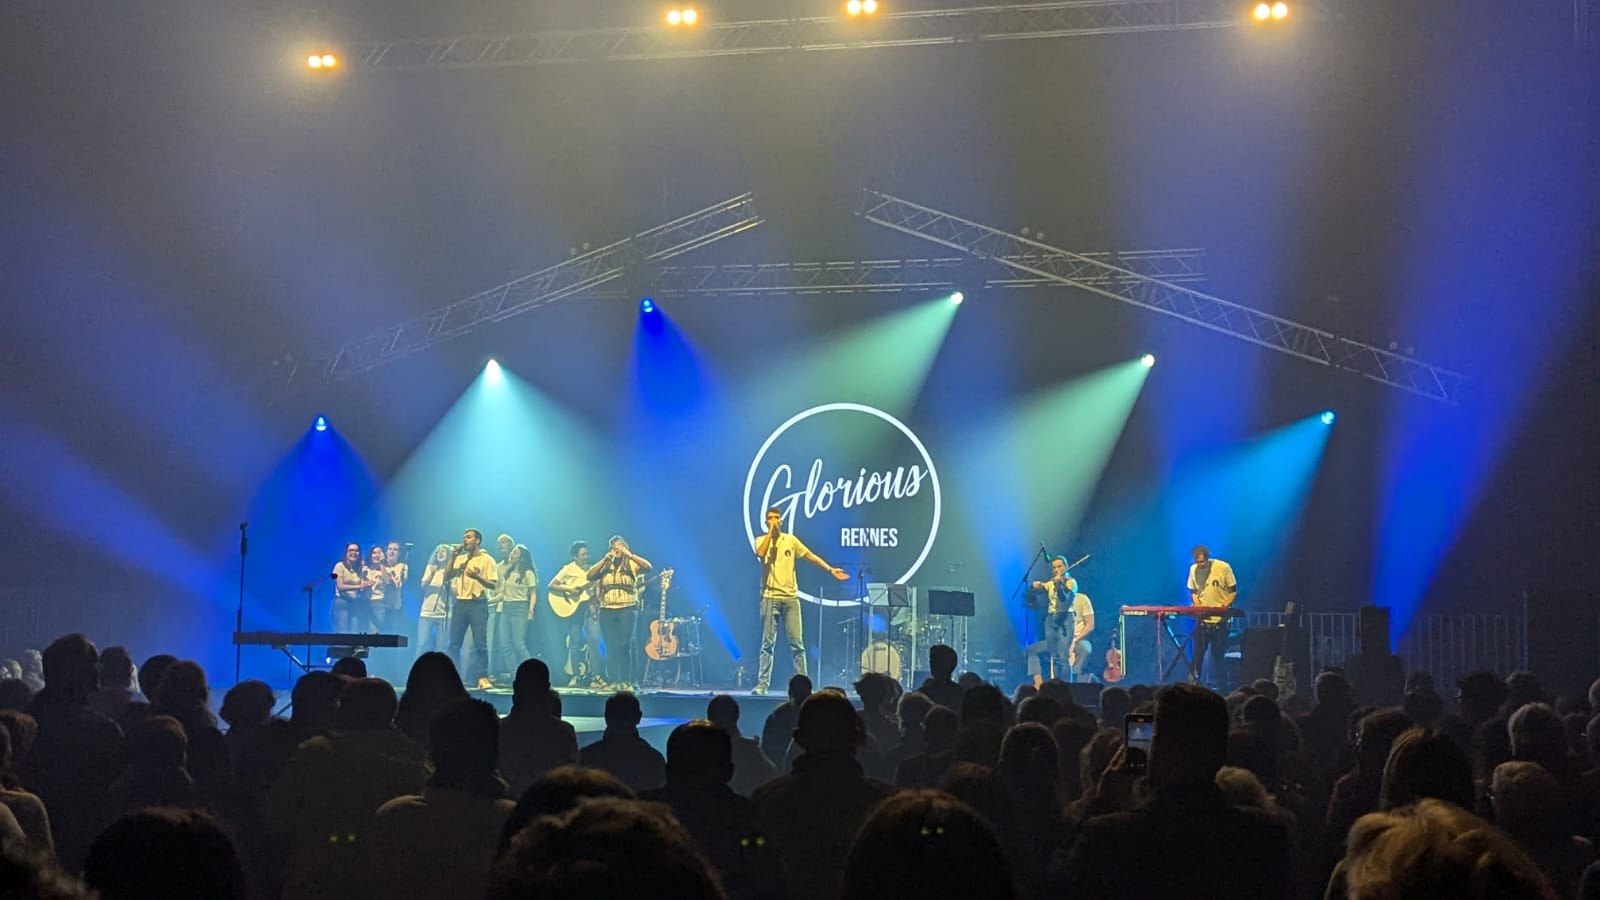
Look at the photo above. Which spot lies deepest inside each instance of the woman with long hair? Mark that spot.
(433, 684)
(377, 572)
(513, 611)
(431, 633)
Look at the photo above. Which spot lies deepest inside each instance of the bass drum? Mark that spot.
(881, 657)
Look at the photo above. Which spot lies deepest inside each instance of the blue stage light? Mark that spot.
(321, 424)
(491, 372)
(1149, 360)
(647, 306)
(1328, 417)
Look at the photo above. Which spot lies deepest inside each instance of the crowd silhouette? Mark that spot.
(118, 781)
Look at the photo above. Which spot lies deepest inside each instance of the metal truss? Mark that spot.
(910, 28)
(1104, 277)
(578, 274)
(893, 275)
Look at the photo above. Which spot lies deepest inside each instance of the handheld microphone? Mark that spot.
(1047, 554)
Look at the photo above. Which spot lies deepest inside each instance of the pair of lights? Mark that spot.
(861, 7)
(647, 306)
(686, 16)
(322, 61)
(1273, 11)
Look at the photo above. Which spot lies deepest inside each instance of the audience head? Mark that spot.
(1375, 736)
(1423, 764)
(939, 730)
(1525, 795)
(10, 668)
(531, 684)
(435, 679)
(170, 853)
(799, 689)
(15, 694)
(1434, 849)
(1594, 697)
(1042, 710)
(247, 704)
(350, 667)
(71, 668)
(623, 711)
(152, 671)
(368, 704)
(874, 689)
(556, 793)
(116, 668)
(1263, 687)
(912, 710)
(1115, 704)
(942, 661)
(1332, 689)
(31, 873)
(976, 786)
(918, 844)
(183, 689)
(315, 700)
(1140, 694)
(157, 744)
(32, 662)
(22, 731)
(606, 847)
(1423, 706)
(1029, 756)
(723, 711)
(464, 742)
(828, 725)
(1538, 735)
(1480, 695)
(1591, 736)
(1252, 751)
(1523, 688)
(969, 680)
(1241, 787)
(983, 701)
(1191, 736)
(699, 754)
(1024, 692)
(1095, 757)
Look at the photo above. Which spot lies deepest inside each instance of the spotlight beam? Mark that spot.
(564, 279)
(903, 28)
(1226, 317)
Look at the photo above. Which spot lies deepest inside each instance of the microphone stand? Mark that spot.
(1027, 620)
(238, 620)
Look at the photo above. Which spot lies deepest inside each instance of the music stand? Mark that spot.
(951, 603)
(890, 596)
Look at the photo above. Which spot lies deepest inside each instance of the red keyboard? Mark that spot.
(1195, 611)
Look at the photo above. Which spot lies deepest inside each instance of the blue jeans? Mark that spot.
(773, 609)
(473, 615)
(431, 634)
(508, 628)
(1057, 642)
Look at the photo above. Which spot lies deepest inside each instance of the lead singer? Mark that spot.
(780, 594)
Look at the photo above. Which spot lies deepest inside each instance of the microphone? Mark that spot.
(409, 545)
(1047, 555)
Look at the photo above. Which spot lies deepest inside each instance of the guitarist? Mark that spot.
(570, 601)
(1211, 583)
(618, 574)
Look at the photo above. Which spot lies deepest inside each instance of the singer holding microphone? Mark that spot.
(780, 594)
(617, 579)
(472, 575)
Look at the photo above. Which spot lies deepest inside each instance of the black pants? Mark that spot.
(616, 629)
(472, 614)
(1216, 638)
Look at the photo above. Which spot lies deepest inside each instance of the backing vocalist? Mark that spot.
(780, 594)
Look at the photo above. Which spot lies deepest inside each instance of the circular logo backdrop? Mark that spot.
(856, 486)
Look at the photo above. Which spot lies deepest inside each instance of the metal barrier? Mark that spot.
(1445, 646)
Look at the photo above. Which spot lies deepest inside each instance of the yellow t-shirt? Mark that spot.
(467, 588)
(618, 586)
(778, 579)
(1052, 588)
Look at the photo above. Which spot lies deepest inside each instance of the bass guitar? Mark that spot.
(663, 642)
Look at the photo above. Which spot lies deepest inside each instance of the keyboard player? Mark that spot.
(1211, 583)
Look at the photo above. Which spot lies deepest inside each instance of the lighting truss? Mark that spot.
(1104, 277)
(908, 28)
(572, 276)
(891, 275)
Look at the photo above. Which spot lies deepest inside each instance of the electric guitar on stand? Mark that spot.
(1282, 664)
(663, 643)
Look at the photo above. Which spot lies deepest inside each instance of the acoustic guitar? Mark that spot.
(566, 601)
(663, 643)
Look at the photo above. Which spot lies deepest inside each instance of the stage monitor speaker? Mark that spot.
(1086, 694)
(1563, 639)
(951, 603)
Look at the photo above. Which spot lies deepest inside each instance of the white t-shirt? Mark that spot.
(778, 579)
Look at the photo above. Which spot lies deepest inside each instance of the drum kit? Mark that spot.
(894, 657)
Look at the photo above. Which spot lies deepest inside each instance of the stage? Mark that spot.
(663, 710)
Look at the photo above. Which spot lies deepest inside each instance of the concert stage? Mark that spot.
(663, 711)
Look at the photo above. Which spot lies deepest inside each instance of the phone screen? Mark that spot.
(1137, 730)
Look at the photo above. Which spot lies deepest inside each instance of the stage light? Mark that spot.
(1263, 11)
(321, 424)
(491, 372)
(647, 306)
(957, 297)
(1280, 10)
(322, 61)
(1328, 417)
(861, 7)
(1149, 360)
(686, 16)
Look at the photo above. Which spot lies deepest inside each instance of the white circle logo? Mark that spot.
(859, 517)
